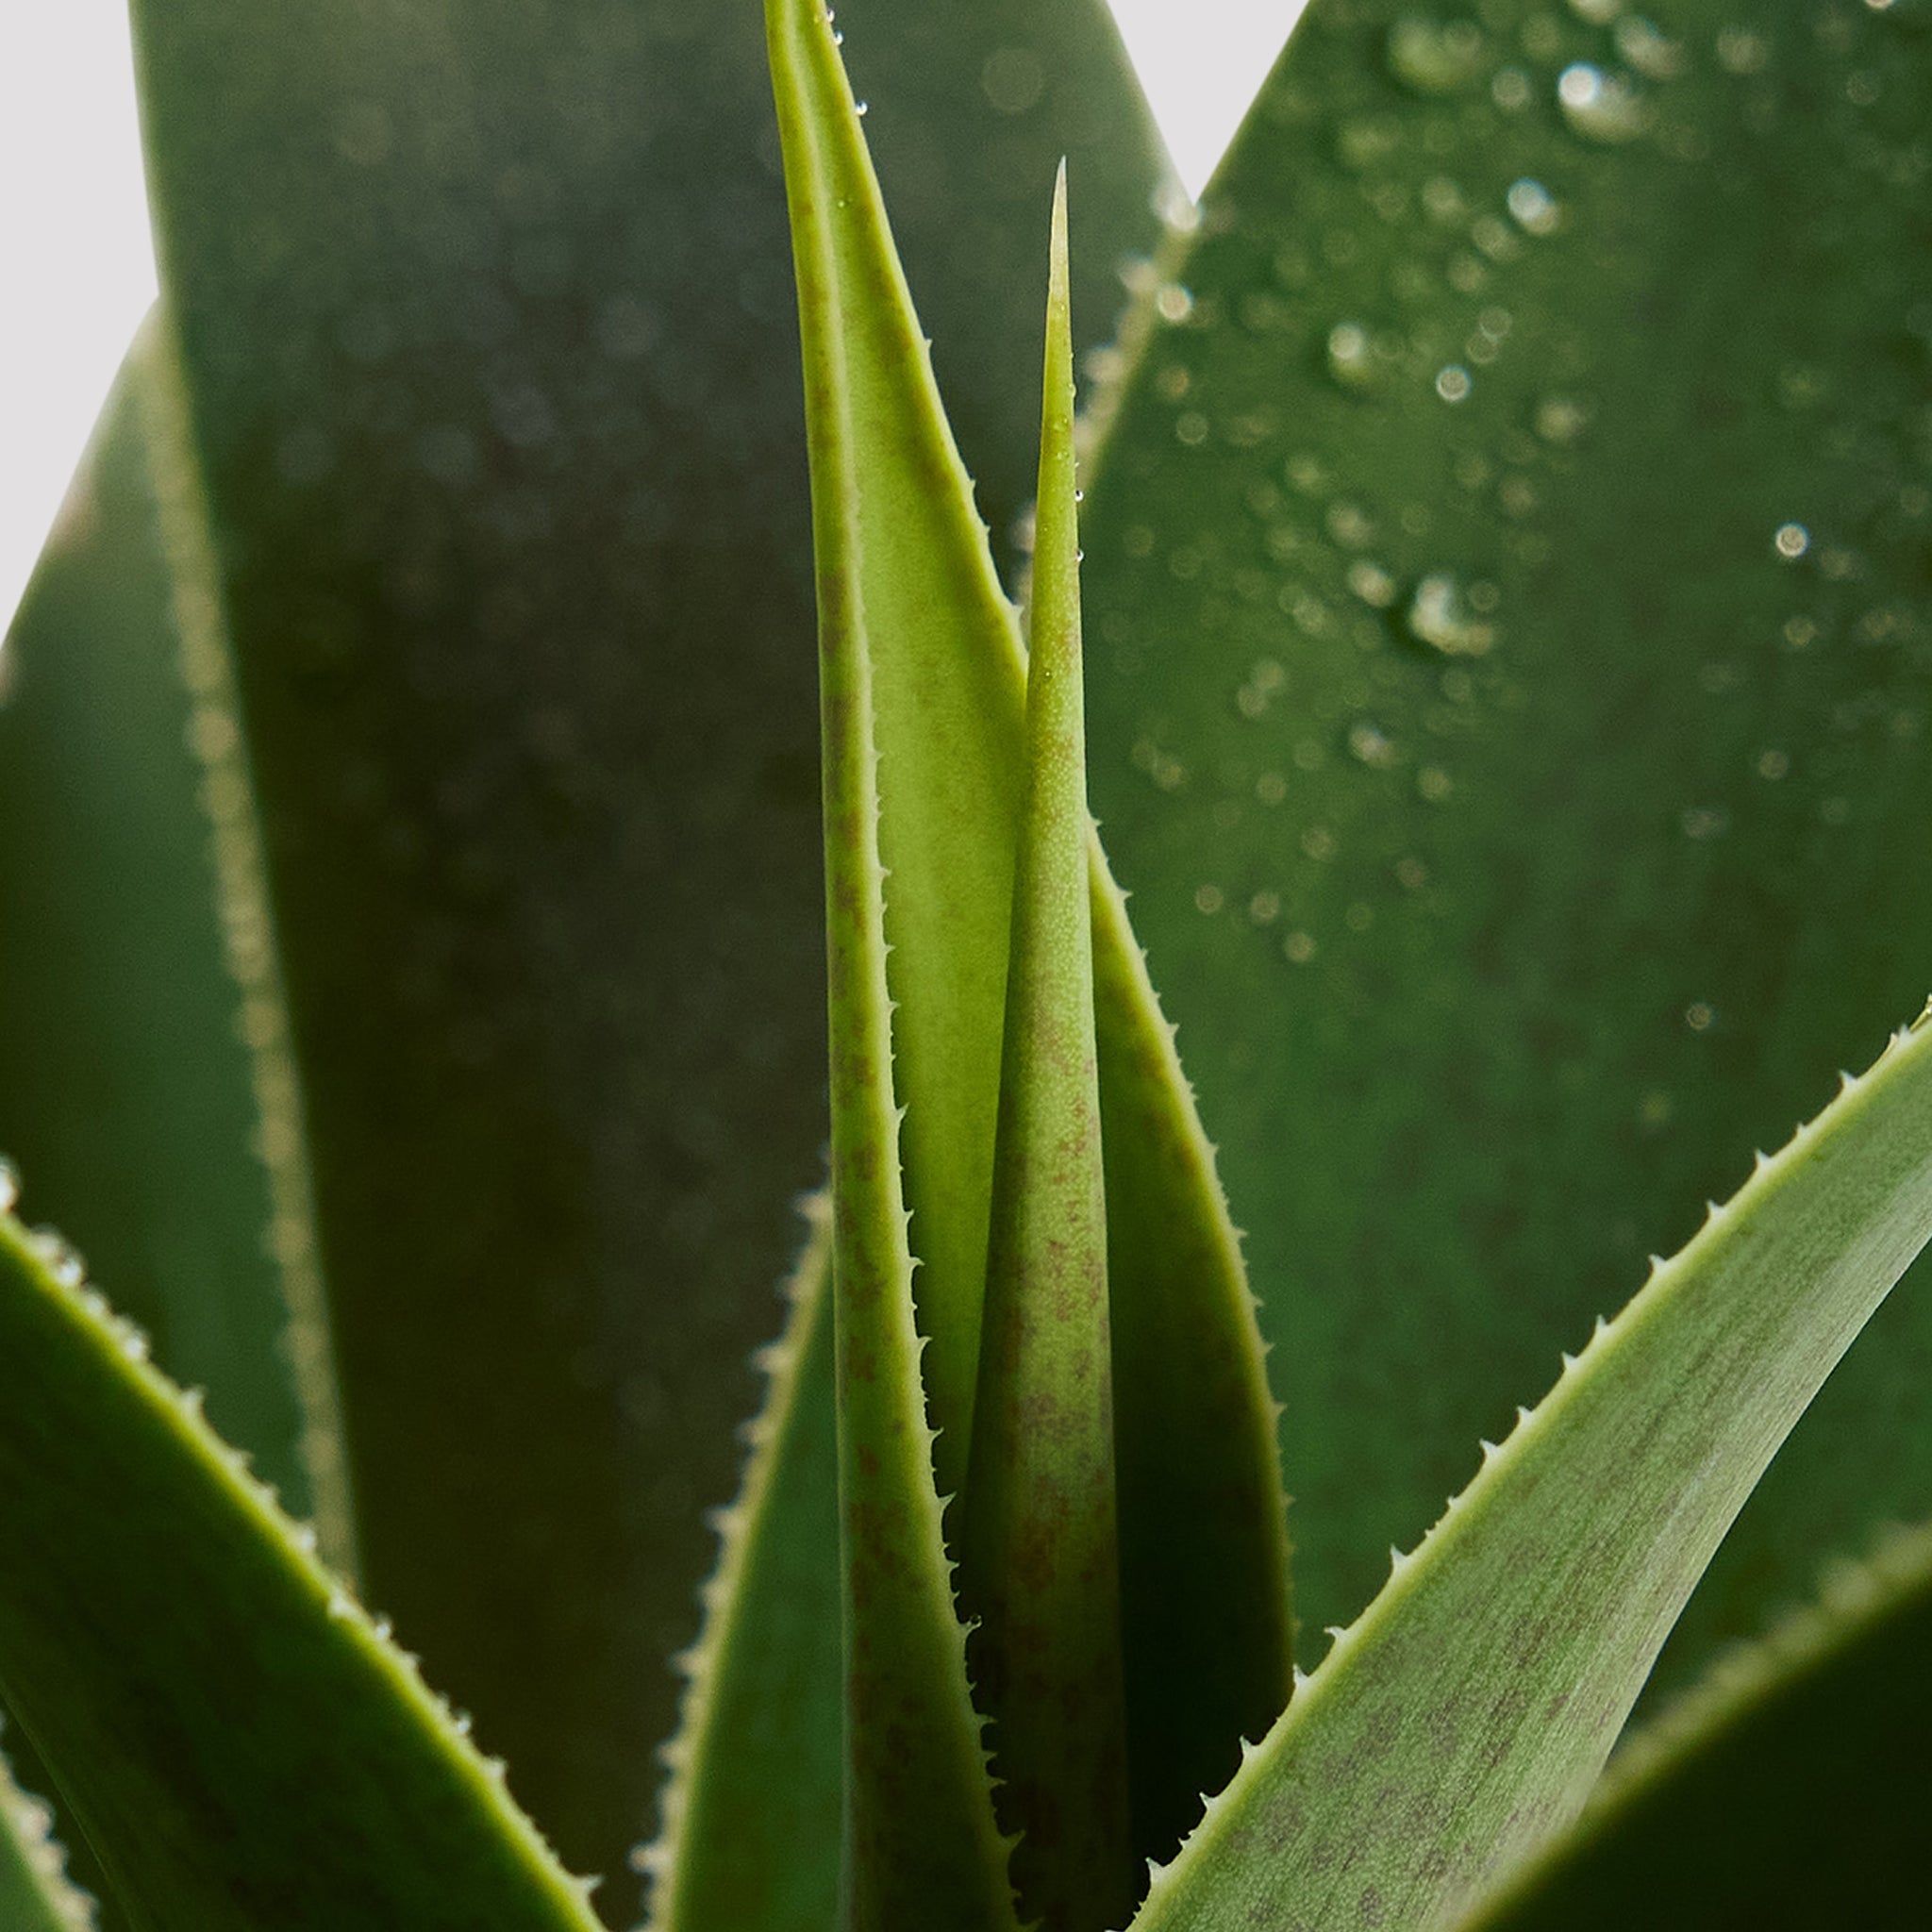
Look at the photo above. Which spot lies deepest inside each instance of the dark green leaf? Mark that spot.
(125, 1086)
(244, 1750)
(1519, 831)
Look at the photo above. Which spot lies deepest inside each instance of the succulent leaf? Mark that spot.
(1813, 1736)
(1039, 1554)
(1505, 809)
(36, 1894)
(750, 1817)
(1457, 1725)
(127, 1087)
(244, 1747)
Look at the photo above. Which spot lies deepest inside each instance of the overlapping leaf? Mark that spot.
(488, 338)
(1813, 1738)
(1457, 1725)
(126, 1088)
(1509, 617)
(244, 1748)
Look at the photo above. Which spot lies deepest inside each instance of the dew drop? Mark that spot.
(1298, 948)
(1563, 418)
(1699, 1016)
(1439, 616)
(1791, 541)
(1596, 13)
(1210, 900)
(1349, 360)
(1453, 384)
(1175, 302)
(1652, 52)
(1536, 210)
(861, 108)
(1434, 56)
(9, 1184)
(1369, 744)
(1599, 105)
(1372, 583)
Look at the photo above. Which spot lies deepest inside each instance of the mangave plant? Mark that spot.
(1506, 622)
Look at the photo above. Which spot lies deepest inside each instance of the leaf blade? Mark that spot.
(1820, 1722)
(919, 1831)
(1040, 1559)
(158, 1605)
(1480, 1692)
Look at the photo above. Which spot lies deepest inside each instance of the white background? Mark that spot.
(76, 264)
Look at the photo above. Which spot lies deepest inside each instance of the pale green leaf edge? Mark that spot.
(226, 793)
(223, 1473)
(1856, 1228)
(36, 1894)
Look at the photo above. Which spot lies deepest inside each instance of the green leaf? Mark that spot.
(244, 1748)
(493, 379)
(126, 1089)
(750, 1823)
(1459, 1725)
(920, 1839)
(1813, 1737)
(1203, 1537)
(1039, 1556)
(1516, 830)
(35, 1893)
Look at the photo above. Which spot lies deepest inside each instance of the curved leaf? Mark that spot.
(1039, 1549)
(1511, 640)
(125, 1085)
(1457, 1725)
(750, 1827)
(35, 1893)
(1813, 1737)
(242, 1747)
(489, 352)
(1203, 1537)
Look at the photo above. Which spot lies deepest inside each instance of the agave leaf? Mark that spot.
(35, 1892)
(1814, 1735)
(490, 362)
(244, 1748)
(920, 1839)
(750, 1824)
(1508, 621)
(1201, 1518)
(1457, 1725)
(127, 1089)
(1039, 1554)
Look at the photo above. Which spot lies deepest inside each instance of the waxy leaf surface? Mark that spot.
(1457, 1725)
(244, 1750)
(1510, 638)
